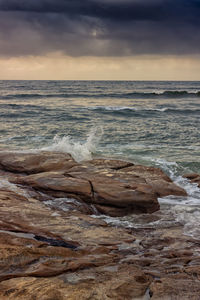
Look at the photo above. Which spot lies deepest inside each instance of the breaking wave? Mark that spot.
(175, 210)
(185, 209)
(128, 109)
(80, 151)
(166, 94)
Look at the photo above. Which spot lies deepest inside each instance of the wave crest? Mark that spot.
(79, 151)
(99, 94)
(126, 109)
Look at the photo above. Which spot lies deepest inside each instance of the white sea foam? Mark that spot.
(167, 166)
(186, 210)
(161, 109)
(192, 189)
(64, 204)
(6, 139)
(79, 151)
(174, 209)
(121, 108)
(114, 221)
(6, 185)
(112, 108)
(190, 218)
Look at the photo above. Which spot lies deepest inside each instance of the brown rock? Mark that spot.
(34, 242)
(48, 253)
(191, 175)
(27, 215)
(110, 163)
(35, 162)
(58, 182)
(151, 173)
(117, 194)
(114, 211)
(118, 187)
(175, 288)
(100, 283)
(163, 188)
(195, 178)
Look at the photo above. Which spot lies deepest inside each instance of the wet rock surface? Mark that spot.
(124, 187)
(194, 178)
(51, 250)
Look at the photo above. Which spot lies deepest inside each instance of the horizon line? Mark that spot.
(102, 80)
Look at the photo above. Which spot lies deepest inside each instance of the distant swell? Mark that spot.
(181, 93)
(99, 94)
(137, 110)
(166, 94)
(22, 96)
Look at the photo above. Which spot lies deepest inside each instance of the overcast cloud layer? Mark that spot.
(99, 27)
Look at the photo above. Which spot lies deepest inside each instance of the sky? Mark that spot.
(100, 39)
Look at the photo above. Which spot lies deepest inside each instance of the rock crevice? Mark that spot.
(125, 187)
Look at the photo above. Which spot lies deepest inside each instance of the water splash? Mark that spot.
(184, 209)
(192, 189)
(79, 151)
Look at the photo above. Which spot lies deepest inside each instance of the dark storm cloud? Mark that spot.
(99, 27)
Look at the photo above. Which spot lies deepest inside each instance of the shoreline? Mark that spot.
(53, 253)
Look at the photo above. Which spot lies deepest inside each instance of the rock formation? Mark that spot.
(113, 187)
(194, 178)
(55, 248)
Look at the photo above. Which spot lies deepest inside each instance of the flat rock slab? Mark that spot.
(114, 187)
(22, 162)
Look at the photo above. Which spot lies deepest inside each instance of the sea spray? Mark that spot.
(175, 210)
(79, 151)
(184, 209)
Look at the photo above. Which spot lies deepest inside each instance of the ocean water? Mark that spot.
(151, 123)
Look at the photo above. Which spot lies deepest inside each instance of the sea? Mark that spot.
(154, 123)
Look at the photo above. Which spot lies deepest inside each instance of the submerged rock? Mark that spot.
(194, 178)
(116, 187)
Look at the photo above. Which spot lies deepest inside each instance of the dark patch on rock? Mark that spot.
(54, 242)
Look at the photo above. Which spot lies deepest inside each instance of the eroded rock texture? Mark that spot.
(53, 247)
(114, 187)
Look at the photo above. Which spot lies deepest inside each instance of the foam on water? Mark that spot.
(190, 218)
(175, 210)
(125, 108)
(65, 204)
(79, 151)
(186, 210)
(6, 185)
(114, 220)
(112, 108)
(142, 110)
(192, 189)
